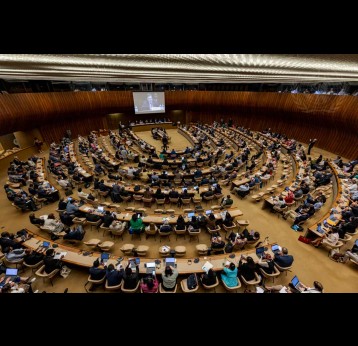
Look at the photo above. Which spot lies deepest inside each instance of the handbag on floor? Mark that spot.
(304, 239)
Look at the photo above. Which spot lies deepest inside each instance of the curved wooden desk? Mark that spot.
(188, 136)
(75, 256)
(337, 193)
(155, 218)
(149, 126)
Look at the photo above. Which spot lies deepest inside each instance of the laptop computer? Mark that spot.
(46, 244)
(150, 268)
(170, 262)
(260, 251)
(208, 212)
(104, 257)
(11, 273)
(100, 209)
(297, 284)
(275, 248)
(190, 215)
(184, 188)
(132, 264)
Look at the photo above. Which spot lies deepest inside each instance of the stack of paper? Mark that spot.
(207, 266)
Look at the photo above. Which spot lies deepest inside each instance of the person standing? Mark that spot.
(310, 145)
(38, 144)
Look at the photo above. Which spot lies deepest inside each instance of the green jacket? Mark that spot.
(136, 224)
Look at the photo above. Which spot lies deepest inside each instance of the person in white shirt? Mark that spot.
(279, 204)
(330, 239)
(82, 194)
(53, 225)
(64, 183)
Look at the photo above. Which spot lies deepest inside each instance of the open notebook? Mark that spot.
(207, 266)
(59, 255)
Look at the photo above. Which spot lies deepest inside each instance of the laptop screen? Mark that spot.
(295, 281)
(215, 185)
(100, 209)
(260, 250)
(184, 189)
(208, 212)
(104, 256)
(275, 247)
(11, 271)
(170, 262)
(150, 265)
(190, 215)
(356, 242)
(45, 244)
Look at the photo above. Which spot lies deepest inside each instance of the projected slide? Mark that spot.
(148, 102)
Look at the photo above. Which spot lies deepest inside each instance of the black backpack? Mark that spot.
(191, 281)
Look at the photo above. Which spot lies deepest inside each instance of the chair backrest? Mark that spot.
(186, 289)
(282, 269)
(162, 290)
(130, 290)
(113, 288)
(233, 287)
(275, 273)
(96, 281)
(179, 231)
(212, 286)
(251, 282)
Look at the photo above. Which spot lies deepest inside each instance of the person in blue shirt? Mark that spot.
(283, 259)
(229, 275)
(319, 228)
(71, 208)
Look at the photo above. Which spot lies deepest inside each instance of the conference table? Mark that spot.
(188, 136)
(149, 126)
(155, 218)
(337, 196)
(165, 191)
(85, 258)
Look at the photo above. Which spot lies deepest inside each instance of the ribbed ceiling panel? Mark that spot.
(182, 68)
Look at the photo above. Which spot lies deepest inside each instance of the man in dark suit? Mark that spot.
(50, 263)
(130, 278)
(173, 193)
(7, 241)
(108, 218)
(77, 233)
(310, 145)
(114, 277)
(92, 217)
(283, 259)
(33, 257)
(97, 273)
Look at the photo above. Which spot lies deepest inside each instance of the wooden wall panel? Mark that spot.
(19, 112)
(55, 131)
(331, 119)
